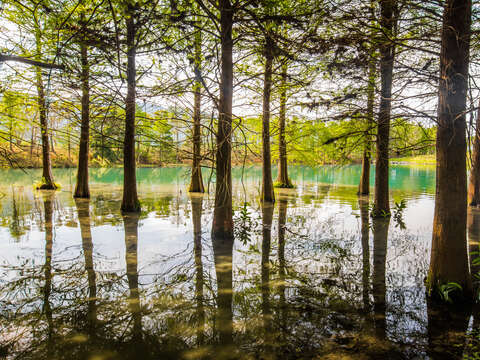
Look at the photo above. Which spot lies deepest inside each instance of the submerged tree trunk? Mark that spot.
(130, 201)
(283, 181)
(267, 183)
(196, 184)
(364, 185)
(222, 225)
(474, 183)
(47, 177)
(81, 189)
(387, 51)
(449, 259)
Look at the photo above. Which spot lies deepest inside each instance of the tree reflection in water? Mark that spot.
(301, 286)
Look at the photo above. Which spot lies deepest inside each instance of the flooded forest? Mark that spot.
(239, 179)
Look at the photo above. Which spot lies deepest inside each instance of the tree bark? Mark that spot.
(364, 185)
(196, 183)
(449, 259)
(283, 181)
(47, 177)
(387, 54)
(222, 225)
(268, 194)
(130, 201)
(81, 189)
(474, 183)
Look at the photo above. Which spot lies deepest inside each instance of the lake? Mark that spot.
(312, 277)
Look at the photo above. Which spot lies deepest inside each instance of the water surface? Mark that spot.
(312, 277)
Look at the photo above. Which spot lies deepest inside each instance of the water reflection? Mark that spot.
(297, 283)
(197, 203)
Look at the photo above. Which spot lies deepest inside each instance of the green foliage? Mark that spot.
(445, 291)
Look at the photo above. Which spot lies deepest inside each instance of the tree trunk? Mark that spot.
(47, 177)
(267, 183)
(196, 184)
(222, 225)
(47, 307)
(474, 183)
(130, 201)
(283, 181)
(364, 186)
(449, 259)
(473, 230)
(387, 51)
(81, 189)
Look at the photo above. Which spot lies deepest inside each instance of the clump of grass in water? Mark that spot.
(41, 185)
(280, 185)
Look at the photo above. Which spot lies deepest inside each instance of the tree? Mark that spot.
(387, 55)
(130, 201)
(222, 225)
(449, 260)
(474, 183)
(283, 181)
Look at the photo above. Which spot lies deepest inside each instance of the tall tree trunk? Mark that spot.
(364, 185)
(283, 180)
(222, 225)
(474, 183)
(197, 250)
(196, 184)
(387, 54)
(267, 183)
(47, 177)
(81, 189)
(130, 201)
(449, 259)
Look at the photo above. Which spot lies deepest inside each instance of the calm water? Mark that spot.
(310, 278)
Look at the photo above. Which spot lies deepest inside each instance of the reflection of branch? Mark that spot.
(28, 61)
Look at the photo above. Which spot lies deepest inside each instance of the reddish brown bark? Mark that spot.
(196, 183)
(130, 201)
(474, 183)
(222, 225)
(283, 181)
(387, 54)
(81, 188)
(268, 194)
(449, 260)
